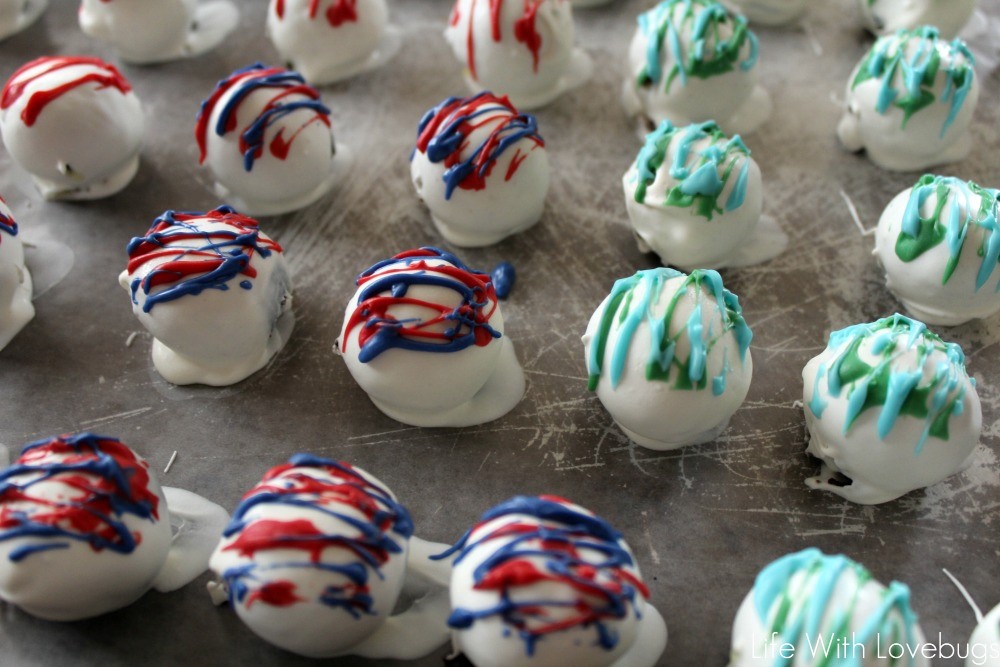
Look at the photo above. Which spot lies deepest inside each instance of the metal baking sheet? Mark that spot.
(702, 520)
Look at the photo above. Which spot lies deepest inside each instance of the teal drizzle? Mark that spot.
(793, 596)
(888, 61)
(894, 390)
(708, 55)
(948, 224)
(631, 303)
(701, 174)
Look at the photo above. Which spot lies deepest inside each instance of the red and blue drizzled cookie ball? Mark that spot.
(84, 527)
(214, 291)
(314, 562)
(265, 135)
(542, 581)
(74, 124)
(424, 337)
(481, 168)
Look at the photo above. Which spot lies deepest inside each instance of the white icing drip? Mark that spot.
(48, 260)
(197, 524)
(767, 242)
(649, 643)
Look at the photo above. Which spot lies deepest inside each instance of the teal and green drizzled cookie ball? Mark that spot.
(694, 60)
(669, 356)
(889, 408)
(939, 242)
(810, 609)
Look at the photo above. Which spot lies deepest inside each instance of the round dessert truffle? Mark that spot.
(693, 195)
(314, 561)
(884, 17)
(984, 644)
(806, 606)
(769, 12)
(154, 31)
(16, 309)
(669, 356)
(331, 40)
(939, 242)
(84, 527)
(16, 15)
(214, 291)
(542, 581)
(74, 124)
(481, 168)
(889, 408)
(424, 337)
(910, 101)
(691, 61)
(520, 49)
(266, 137)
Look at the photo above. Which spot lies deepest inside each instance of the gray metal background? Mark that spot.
(702, 520)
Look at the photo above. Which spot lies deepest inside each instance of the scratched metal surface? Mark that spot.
(702, 520)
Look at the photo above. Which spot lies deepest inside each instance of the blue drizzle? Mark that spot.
(7, 224)
(504, 276)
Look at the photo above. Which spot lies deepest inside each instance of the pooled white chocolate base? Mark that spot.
(196, 524)
(502, 391)
(17, 15)
(883, 17)
(146, 33)
(918, 283)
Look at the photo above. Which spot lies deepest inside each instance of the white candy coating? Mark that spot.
(949, 282)
(770, 12)
(470, 383)
(16, 309)
(315, 560)
(920, 424)
(154, 31)
(524, 51)
(804, 605)
(330, 40)
(68, 578)
(504, 194)
(675, 365)
(911, 137)
(517, 638)
(16, 15)
(884, 17)
(226, 331)
(293, 147)
(984, 644)
(83, 143)
(701, 196)
(665, 82)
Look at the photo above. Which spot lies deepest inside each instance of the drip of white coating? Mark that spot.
(853, 210)
(48, 260)
(649, 643)
(197, 524)
(767, 241)
(173, 457)
(965, 594)
(165, 30)
(421, 628)
(502, 391)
